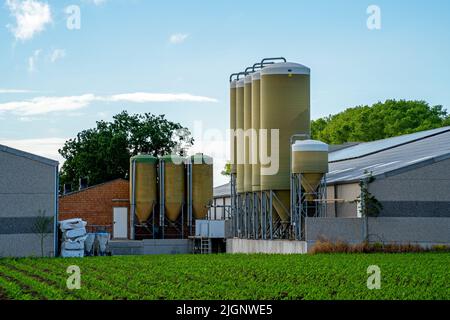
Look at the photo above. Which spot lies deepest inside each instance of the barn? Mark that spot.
(28, 204)
(105, 207)
(411, 176)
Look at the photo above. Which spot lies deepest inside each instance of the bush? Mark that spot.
(326, 246)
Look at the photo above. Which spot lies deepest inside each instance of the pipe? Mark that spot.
(238, 74)
(232, 75)
(133, 199)
(55, 223)
(273, 59)
(260, 65)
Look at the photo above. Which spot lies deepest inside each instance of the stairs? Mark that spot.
(205, 245)
(201, 245)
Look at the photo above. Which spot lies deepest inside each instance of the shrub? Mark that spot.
(326, 246)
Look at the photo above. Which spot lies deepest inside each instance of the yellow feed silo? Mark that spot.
(233, 145)
(285, 106)
(202, 185)
(143, 185)
(310, 158)
(240, 149)
(256, 123)
(248, 134)
(174, 186)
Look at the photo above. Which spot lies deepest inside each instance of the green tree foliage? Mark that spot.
(43, 228)
(379, 121)
(370, 206)
(103, 153)
(226, 170)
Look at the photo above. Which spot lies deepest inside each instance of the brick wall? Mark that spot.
(95, 204)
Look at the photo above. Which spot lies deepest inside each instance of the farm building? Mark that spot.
(412, 176)
(28, 202)
(105, 207)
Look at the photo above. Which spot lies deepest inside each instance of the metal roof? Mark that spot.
(29, 156)
(383, 157)
(222, 191)
(367, 148)
(404, 155)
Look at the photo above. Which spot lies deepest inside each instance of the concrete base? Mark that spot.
(148, 247)
(266, 246)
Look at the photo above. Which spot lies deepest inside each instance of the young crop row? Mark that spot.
(334, 276)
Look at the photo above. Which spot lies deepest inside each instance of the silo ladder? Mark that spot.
(205, 245)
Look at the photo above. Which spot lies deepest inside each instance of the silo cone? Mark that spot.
(256, 123)
(240, 136)
(310, 158)
(233, 145)
(143, 184)
(174, 186)
(248, 133)
(202, 185)
(285, 105)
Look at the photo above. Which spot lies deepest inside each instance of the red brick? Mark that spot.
(95, 204)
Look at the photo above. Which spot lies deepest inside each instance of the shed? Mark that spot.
(28, 196)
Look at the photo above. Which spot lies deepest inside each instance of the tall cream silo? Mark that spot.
(202, 184)
(256, 123)
(240, 149)
(143, 186)
(233, 145)
(310, 159)
(174, 186)
(285, 106)
(248, 133)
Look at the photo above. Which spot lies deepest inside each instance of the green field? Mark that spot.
(332, 276)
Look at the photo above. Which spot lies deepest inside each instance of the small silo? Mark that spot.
(285, 106)
(240, 150)
(310, 159)
(248, 134)
(174, 186)
(143, 185)
(233, 145)
(256, 123)
(202, 185)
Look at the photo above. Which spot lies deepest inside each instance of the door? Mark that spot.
(120, 223)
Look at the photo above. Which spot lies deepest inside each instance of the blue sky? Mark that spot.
(153, 50)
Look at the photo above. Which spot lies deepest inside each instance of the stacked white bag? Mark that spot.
(74, 236)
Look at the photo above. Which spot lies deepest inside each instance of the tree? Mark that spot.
(370, 206)
(226, 170)
(379, 121)
(43, 228)
(103, 153)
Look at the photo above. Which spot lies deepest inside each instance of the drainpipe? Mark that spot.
(55, 222)
(133, 198)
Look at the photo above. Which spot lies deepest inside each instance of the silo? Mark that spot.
(310, 158)
(240, 136)
(233, 145)
(143, 185)
(248, 134)
(285, 106)
(174, 186)
(256, 123)
(202, 185)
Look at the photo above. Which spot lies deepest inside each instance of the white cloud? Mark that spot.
(178, 38)
(32, 60)
(57, 54)
(15, 91)
(96, 2)
(142, 97)
(44, 105)
(45, 147)
(31, 17)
